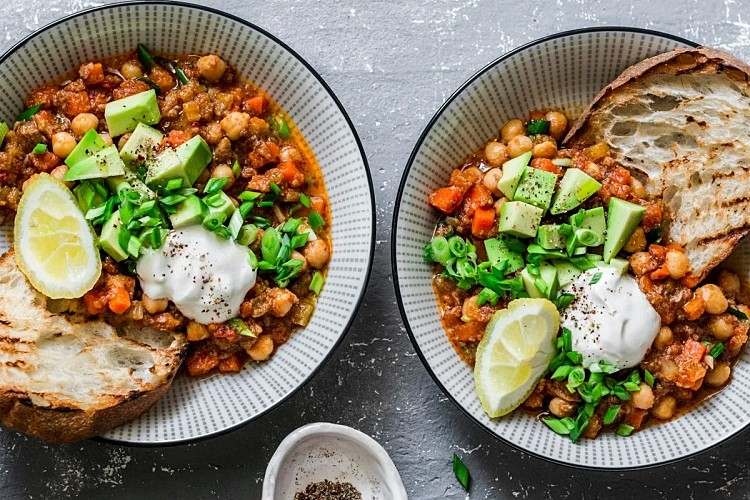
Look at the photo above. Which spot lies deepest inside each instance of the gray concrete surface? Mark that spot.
(391, 64)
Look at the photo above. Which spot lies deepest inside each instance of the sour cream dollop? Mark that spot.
(205, 276)
(610, 320)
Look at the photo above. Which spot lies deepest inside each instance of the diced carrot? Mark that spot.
(176, 137)
(636, 417)
(483, 221)
(119, 301)
(660, 274)
(256, 105)
(546, 165)
(291, 173)
(693, 350)
(273, 150)
(446, 199)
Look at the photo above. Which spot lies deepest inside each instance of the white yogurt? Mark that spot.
(205, 276)
(610, 320)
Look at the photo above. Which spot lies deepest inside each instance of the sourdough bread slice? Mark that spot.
(681, 120)
(62, 380)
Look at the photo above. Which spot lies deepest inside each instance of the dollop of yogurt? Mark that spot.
(205, 276)
(610, 320)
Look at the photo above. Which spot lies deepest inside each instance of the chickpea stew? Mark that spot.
(154, 149)
(524, 217)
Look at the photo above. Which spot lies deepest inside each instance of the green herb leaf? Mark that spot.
(270, 245)
(236, 169)
(316, 220)
(648, 377)
(595, 278)
(39, 148)
(28, 112)
(564, 300)
(624, 430)
(215, 184)
(536, 127)
(737, 313)
(562, 372)
(462, 472)
(305, 200)
(611, 414)
(316, 283)
(576, 377)
(558, 426)
(716, 350)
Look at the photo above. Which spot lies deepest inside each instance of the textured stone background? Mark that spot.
(391, 64)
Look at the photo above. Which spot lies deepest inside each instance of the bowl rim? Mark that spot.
(394, 224)
(371, 254)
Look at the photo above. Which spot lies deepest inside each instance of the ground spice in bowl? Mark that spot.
(328, 490)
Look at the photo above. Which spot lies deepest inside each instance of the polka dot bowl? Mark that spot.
(198, 408)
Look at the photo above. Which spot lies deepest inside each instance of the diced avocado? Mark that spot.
(549, 236)
(123, 115)
(141, 144)
(90, 143)
(220, 207)
(622, 219)
(498, 251)
(575, 187)
(189, 212)
(105, 163)
(536, 188)
(165, 166)
(195, 156)
(566, 272)
(621, 265)
(131, 182)
(528, 284)
(108, 240)
(520, 219)
(512, 172)
(595, 221)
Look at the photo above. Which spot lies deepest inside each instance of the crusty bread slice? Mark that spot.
(681, 118)
(62, 380)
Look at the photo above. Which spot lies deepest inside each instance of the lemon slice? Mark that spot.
(514, 353)
(54, 245)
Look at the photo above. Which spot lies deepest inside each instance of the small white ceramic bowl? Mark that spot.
(198, 408)
(335, 452)
(563, 71)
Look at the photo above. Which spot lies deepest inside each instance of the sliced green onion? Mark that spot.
(487, 295)
(587, 237)
(126, 212)
(280, 126)
(440, 249)
(611, 414)
(215, 200)
(215, 184)
(270, 245)
(93, 213)
(595, 278)
(39, 148)
(4, 129)
(123, 238)
(249, 196)
(144, 208)
(624, 430)
(261, 222)
(562, 372)
(291, 225)
(575, 357)
(316, 283)
(265, 203)
(134, 247)
(716, 350)
(737, 313)
(245, 209)
(461, 472)
(240, 327)
(235, 224)
(275, 189)
(648, 377)
(236, 169)
(631, 386)
(252, 259)
(247, 235)
(223, 232)
(212, 222)
(576, 377)
(557, 426)
(298, 240)
(145, 56)
(172, 199)
(173, 184)
(181, 76)
(28, 112)
(305, 200)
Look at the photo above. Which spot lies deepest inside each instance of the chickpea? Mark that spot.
(714, 298)
(235, 125)
(512, 129)
(224, 171)
(664, 337)
(519, 145)
(668, 370)
(546, 149)
(262, 348)
(665, 408)
(495, 153)
(299, 256)
(557, 123)
(211, 67)
(499, 205)
(729, 282)
(637, 186)
(677, 263)
(317, 253)
(154, 306)
(721, 326)
(106, 138)
(290, 153)
(59, 173)
(491, 178)
(597, 151)
(83, 122)
(196, 332)
(637, 241)
(644, 398)
(282, 301)
(719, 374)
(561, 408)
(63, 143)
(131, 69)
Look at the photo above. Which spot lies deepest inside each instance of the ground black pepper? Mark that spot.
(328, 490)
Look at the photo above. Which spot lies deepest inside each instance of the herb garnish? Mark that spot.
(462, 472)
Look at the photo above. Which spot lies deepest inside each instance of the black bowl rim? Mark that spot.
(394, 225)
(349, 122)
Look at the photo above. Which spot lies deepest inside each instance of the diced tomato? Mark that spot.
(636, 418)
(176, 137)
(690, 281)
(483, 222)
(232, 364)
(92, 73)
(446, 199)
(291, 173)
(478, 196)
(546, 165)
(689, 365)
(256, 105)
(119, 300)
(660, 274)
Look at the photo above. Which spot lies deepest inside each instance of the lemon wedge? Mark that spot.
(515, 351)
(54, 245)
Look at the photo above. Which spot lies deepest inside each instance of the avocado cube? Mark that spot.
(536, 188)
(90, 143)
(594, 220)
(131, 182)
(513, 170)
(529, 284)
(123, 115)
(141, 144)
(220, 206)
(108, 240)
(622, 219)
(520, 219)
(549, 237)
(105, 163)
(189, 212)
(566, 272)
(575, 187)
(195, 156)
(497, 251)
(545, 285)
(618, 264)
(165, 166)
